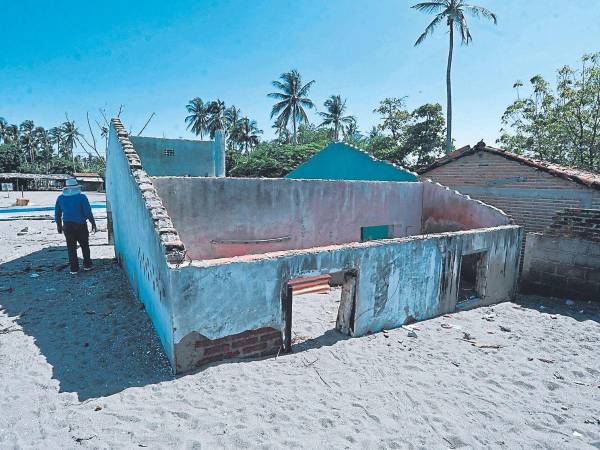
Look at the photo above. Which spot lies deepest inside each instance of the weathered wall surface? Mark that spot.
(403, 280)
(190, 158)
(219, 218)
(565, 259)
(447, 210)
(339, 161)
(530, 196)
(143, 234)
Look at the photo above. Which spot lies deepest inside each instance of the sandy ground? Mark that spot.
(80, 366)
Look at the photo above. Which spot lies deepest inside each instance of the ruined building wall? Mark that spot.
(181, 157)
(415, 278)
(144, 237)
(564, 260)
(446, 210)
(219, 218)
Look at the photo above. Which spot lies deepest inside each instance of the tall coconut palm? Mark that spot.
(283, 134)
(232, 119)
(334, 116)
(56, 138)
(453, 13)
(291, 101)
(26, 139)
(216, 117)
(70, 137)
(3, 128)
(198, 118)
(247, 134)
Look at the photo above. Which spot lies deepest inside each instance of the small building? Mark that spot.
(182, 157)
(89, 181)
(216, 260)
(532, 192)
(14, 181)
(340, 161)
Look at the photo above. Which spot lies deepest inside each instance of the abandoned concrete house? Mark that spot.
(212, 258)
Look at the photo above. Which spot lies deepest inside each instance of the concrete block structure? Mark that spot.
(212, 258)
(340, 161)
(564, 260)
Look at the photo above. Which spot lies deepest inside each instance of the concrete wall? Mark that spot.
(565, 259)
(447, 210)
(339, 161)
(219, 218)
(142, 233)
(398, 281)
(191, 158)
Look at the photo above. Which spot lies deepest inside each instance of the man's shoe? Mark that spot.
(87, 267)
(74, 273)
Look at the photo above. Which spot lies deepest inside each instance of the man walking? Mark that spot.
(71, 211)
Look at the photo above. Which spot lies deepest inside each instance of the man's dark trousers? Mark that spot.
(74, 233)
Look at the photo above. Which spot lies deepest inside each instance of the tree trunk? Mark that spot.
(449, 90)
(294, 125)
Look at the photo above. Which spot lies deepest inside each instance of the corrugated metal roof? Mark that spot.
(35, 176)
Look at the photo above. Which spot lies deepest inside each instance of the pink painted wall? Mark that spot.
(303, 213)
(445, 210)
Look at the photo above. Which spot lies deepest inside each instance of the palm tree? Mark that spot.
(232, 119)
(26, 139)
(70, 137)
(246, 133)
(291, 100)
(198, 117)
(453, 12)
(334, 116)
(283, 134)
(56, 137)
(216, 117)
(3, 129)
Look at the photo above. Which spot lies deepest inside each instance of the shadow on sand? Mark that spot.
(89, 326)
(577, 309)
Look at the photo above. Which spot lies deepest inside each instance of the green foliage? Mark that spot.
(560, 125)
(274, 159)
(33, 149)
(410, 139)
(10, 160)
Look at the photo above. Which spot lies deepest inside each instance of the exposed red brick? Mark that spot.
(196, 350)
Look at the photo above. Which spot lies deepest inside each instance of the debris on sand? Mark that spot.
(505, 329)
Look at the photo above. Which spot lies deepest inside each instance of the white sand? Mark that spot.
(80, 366)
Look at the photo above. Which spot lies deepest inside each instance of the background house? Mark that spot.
(339, 161)
(532, 192)
(89, 181)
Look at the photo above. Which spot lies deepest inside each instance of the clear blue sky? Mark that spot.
(153, 56)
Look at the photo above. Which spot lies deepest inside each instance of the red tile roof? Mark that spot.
(587, 178)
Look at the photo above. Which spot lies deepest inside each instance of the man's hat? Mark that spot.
(71, 182)
(71, 187)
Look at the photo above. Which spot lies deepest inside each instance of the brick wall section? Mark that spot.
(495, 173)
(195, 350)
(576, 223)
(565, 260)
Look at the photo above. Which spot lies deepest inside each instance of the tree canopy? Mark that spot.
(560, 124)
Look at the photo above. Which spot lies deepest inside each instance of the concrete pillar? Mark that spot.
(219, 154)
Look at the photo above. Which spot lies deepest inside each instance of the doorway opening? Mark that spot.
(472, 281)
(319, 310)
